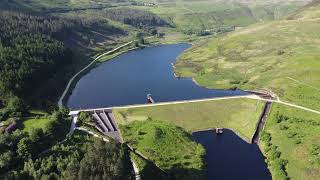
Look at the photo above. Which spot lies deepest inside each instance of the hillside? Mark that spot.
(214, 16)
(281, 56)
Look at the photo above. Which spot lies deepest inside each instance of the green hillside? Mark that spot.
(169, 147)
(194, 17)
(282, 56)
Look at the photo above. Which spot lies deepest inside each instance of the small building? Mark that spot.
(11, 127)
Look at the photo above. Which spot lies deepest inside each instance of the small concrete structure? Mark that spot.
(105, 123)
(264, 94)
(219, 131)
(150, 99)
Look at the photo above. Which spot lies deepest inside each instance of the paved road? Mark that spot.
(167, 103)
(285, 103)
(251, 96)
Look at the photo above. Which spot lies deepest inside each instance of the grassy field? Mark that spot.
(240, 115)
(168, 146)
(281, 56)
(34, 123)
(296, 135)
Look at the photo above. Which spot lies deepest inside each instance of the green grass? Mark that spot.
(282, 56)
(195, 16)
(36, 119)
(168, 146)
(34, 123)
(240, 115)
(296, 134)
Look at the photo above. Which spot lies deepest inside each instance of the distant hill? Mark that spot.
(58, 5)
(309, 11)
(196, 17)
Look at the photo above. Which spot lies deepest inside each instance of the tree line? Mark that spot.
(135, 17)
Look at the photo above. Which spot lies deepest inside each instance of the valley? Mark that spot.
(208, 65)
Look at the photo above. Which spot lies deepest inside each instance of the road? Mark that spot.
(250, 96)
(60, 102)
(136, 170)
(92, 133)
(303, 83)
(167, 103)
(285, 103)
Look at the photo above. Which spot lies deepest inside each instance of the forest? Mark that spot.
(32, 156)
(135, 17)
(33, 49)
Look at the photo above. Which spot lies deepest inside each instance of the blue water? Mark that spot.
(128, 78)
(228, 157)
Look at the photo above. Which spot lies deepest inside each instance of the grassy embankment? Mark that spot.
(240, 115)
(282, 56)
(169, 147)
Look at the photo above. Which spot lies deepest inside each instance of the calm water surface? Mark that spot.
(228, 157)
(127, 79)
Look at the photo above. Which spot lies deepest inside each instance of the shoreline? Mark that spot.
(234, 131)
(75, 78)
(109, 55)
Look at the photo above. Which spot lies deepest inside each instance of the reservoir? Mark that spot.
(230, 157)
(128, 78)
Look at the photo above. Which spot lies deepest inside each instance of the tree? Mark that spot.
(6, 159)
(25, 148)
(72, 170)
(16, 104)
(140, 39)
(36, 135)
(106, 161)
(153, 31)
(84, 117)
